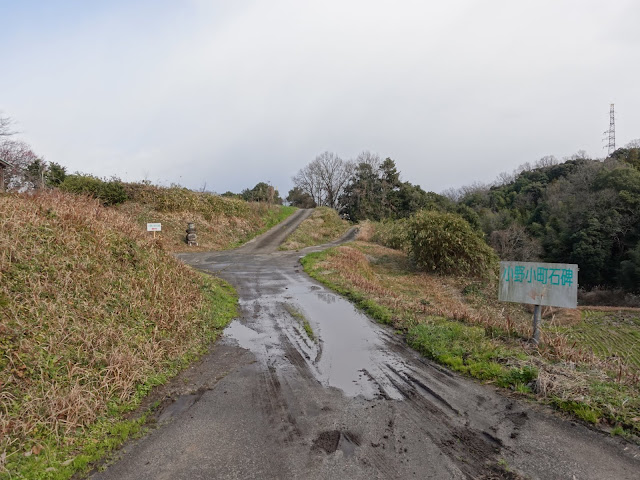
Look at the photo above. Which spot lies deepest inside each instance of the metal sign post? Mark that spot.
(551, 284)
(536, 324)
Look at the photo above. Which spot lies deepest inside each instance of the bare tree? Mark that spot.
(334, 175)
(452, 193)
(325, 178)
(5, 127)
(505, 178)
(515, 244)
(308, 180)
(19, 156)
(546, 161)
(371, 159)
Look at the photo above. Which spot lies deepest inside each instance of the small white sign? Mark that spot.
(552, 284)
(154, 227)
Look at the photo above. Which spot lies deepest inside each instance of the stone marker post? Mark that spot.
(191, 235)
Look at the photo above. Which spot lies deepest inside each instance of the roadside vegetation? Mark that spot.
(431, 272)
(581, 210)
(323, 226)
(94, 313)
(221, 222)
(454, 318)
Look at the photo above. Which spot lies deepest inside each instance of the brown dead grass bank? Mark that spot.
(91, 310)
(221, 222)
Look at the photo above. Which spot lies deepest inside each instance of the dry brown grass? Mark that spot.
(214, 231)
(323, 226)
(220, 222)
(91, 306)
(366, 231)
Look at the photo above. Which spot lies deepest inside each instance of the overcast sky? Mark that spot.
(232, 93)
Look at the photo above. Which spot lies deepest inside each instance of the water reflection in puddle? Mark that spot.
(349, 352)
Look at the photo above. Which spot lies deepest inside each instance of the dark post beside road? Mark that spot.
(536, 324)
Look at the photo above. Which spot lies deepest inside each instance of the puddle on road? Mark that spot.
(246, 337)
(354, 356)
(350, 352)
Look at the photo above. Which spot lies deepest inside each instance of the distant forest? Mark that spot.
(580, 211)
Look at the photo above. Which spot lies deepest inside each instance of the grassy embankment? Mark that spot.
(93, 313)
(458, 322)
(220, 222)
(323, 226)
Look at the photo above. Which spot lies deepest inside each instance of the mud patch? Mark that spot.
(330, 441)
(175, 406)
(327, 441)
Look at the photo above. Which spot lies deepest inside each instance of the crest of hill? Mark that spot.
(221, 222)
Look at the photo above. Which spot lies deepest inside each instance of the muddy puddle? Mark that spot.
(340, 346)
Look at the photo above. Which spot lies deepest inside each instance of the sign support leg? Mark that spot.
(536, 324)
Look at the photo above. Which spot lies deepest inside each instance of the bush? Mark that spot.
(109, 192)
(392, 234)
(445, 243)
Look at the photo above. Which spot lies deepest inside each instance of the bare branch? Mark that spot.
(5, 127)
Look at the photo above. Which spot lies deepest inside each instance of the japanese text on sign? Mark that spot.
(553, 284)
(542, 275)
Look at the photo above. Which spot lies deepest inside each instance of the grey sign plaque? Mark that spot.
(552, 284)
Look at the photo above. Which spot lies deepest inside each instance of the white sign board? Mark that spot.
(552, 284)
(154, 227)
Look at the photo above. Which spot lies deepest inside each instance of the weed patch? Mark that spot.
(323, 226)
(299, 316)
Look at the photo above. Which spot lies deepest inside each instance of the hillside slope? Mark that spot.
(93, 312)
(220, 222)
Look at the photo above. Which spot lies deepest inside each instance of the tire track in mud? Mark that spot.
(476, 453)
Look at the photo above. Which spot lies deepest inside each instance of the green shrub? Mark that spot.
(109, 192)
(392, 234)
(445, 243)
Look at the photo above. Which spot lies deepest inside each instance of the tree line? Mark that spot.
(364, 188)
(580, 210)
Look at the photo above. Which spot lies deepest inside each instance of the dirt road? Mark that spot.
(270, 402)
